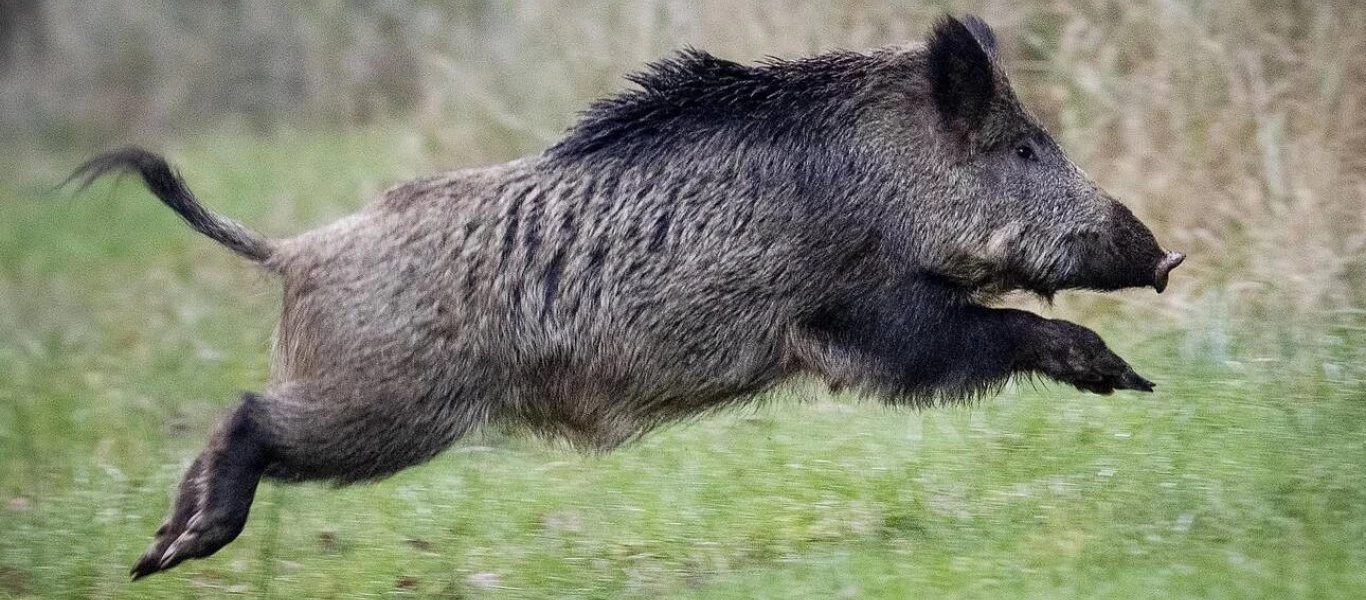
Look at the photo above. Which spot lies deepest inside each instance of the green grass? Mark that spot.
(123, 337)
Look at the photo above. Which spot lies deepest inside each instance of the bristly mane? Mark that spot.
(695, 96)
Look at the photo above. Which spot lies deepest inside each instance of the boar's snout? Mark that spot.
(1164, 267)
(1123, 254)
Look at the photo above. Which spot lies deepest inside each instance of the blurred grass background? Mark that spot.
(1235, 128)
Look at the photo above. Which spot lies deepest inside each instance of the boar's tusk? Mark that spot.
(1164, 268)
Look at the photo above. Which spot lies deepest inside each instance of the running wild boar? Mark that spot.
(690, 243)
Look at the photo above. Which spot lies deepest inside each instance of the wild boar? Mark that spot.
(717, 230)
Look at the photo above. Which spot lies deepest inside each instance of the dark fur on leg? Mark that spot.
(1073, 355)
(921, 340)
(215, 496)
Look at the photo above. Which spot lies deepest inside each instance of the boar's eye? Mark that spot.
(1025, 152)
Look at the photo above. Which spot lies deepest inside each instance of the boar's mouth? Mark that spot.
(1107, 270)
(1127, 256)
(1118, 253)
(1123, 254)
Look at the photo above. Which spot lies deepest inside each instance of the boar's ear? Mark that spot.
(962, 77)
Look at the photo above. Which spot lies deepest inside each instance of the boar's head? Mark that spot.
(994, 203)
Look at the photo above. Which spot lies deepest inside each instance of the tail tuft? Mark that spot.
(171, 190)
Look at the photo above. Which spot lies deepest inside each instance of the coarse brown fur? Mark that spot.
(690, 243)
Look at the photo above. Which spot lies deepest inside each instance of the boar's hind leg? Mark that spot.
(295, 432)
(214, 496)
(346, 433)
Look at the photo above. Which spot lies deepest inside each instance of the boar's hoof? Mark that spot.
(1105, 376)
(1078, 357)
(203, 534)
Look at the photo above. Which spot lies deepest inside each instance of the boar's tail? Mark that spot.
(170, 189)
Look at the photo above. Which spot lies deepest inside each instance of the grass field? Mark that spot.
(123, 335)
(1236, 128)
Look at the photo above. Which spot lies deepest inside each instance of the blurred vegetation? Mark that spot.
(1236, 128)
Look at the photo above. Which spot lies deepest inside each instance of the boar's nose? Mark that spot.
(1164, 268)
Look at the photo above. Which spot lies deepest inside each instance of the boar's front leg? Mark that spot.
(922, 340)
(1072, 354)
